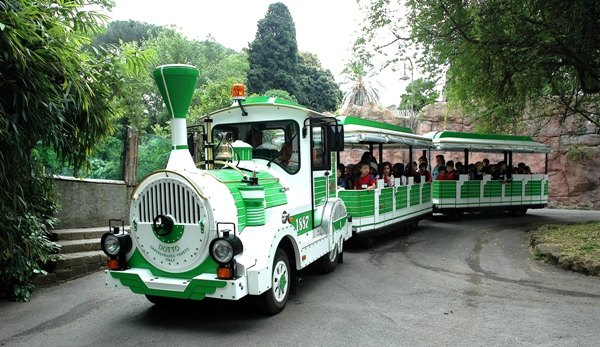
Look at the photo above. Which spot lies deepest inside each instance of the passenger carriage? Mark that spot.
(385, 209)
(524, 192)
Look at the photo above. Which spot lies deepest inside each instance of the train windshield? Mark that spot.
(276, 141)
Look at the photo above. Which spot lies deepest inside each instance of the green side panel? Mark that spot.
(470, 190)
(386, 200)
(239, 204)
(426, 193)
(492, 189)
(534, 188)
(320, 190)
(196, 289)
(513, 189)
(138, 261)
(546, 187)
(359, 203)
(415, 198)
(444, 189)
(402, 197)
(273, 194)
(340, 223)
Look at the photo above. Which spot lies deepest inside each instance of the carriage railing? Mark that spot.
(385, 206)
(524, 190)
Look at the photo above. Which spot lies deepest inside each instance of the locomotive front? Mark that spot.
(173, 248)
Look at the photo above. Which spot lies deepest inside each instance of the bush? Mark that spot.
(25, 248)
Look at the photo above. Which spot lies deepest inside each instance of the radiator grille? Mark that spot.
(168, 197)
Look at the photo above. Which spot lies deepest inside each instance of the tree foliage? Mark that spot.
(318, 89)
(55, 90)
(419, 93)
(361, 80)
(126, 31)
(501, 56)
(273, 55)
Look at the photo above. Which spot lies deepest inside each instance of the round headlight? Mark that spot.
(221, 251)
(111, 244)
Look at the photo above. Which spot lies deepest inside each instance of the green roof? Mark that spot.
(268, 100)
(347, 120)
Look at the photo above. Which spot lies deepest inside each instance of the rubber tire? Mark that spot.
(455, 216)
(267, 302)
(325, 265)
(366, 242)
(518, 213)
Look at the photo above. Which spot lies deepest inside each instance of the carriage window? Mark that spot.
(274, 141)
(319, 154)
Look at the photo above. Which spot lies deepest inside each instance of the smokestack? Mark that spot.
(177, 83)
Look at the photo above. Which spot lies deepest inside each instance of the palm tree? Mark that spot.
(361, 90)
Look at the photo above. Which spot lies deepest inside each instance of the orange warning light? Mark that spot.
(224, 273)
(112, 264)
(238, 92)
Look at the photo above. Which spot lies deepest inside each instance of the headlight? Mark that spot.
(111, 245)
(115, 244)
(222, 251)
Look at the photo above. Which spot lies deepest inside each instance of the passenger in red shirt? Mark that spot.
(443, 175)
(452, 174)
(365, 180)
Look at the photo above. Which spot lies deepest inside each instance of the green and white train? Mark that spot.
(262, 206)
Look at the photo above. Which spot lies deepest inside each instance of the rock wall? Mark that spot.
(573, 167)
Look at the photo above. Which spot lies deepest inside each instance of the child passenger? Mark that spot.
(365, 180)
(477, 175)
(388, 178)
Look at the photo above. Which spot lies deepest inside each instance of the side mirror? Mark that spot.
(335, 138)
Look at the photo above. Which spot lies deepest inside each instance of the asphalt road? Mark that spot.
(467, 283)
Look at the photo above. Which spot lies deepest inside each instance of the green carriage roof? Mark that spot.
(347, 120)
(456, 141)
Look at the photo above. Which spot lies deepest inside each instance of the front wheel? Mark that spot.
(273, 301)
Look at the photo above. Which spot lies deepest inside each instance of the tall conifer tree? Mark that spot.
(273, 55)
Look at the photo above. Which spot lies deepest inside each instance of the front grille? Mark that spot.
(169, 197)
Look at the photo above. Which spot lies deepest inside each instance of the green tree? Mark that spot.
(318, 89)
(282, 94)
(502, 56)
(273, 55)
(360, 78)
(126, 31)
(419, 93)
(55, 90)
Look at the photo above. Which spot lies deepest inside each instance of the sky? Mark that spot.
(326, 28)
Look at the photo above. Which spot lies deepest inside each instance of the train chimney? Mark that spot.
(177, 83)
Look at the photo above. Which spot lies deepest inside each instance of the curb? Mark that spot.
(553, 255)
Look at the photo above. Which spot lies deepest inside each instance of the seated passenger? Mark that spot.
(528, 171)
(373, 170)
(504, 174)
(365, 180)
(443, 175)
(411, 171)
(522, 169)
(342, 181)
(486, 165)
(492, 172)
(451, 172)
(425, 175)
(399, 172)
(477, 175)
(388, 178)
(459, 168)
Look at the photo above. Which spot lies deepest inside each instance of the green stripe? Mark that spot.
(179, 147)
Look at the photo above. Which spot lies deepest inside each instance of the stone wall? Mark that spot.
(88, 203)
